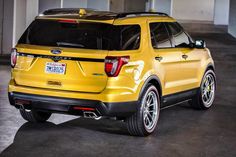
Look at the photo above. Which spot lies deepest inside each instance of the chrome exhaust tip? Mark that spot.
(90, 114)
(22, 107)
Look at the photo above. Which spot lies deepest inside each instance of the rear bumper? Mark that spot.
(67, 105)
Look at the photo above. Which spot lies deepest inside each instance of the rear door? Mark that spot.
(63, 55)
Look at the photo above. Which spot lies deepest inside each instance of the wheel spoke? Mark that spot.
(206, 83)
(151, 105)
(208, 96)
(148, 114)
(208, 89)
(148, 120)
(150, 110)
(149, 99)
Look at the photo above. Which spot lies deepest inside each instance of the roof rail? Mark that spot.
(122, 15)
(66, 11)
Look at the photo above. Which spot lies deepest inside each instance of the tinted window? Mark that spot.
(180, 38)
(126, 37)
(87, 35)
(159, 35)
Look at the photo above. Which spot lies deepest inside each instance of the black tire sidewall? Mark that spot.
(34, 115)
(148, 89)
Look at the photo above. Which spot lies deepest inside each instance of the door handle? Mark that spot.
(158, 58)
(184, 56)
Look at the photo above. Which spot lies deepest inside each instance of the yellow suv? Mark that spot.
(102, 64)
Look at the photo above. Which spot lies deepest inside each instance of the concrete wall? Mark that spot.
(7, 41)
(117, 6)
(232, 18)
(102, 5)
(74, 4)
(221, 11)
(202, 10)
(49, 4)
(128, 5)
(135, 5)
(163, 6)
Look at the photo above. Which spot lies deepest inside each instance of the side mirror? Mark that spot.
(200, 44)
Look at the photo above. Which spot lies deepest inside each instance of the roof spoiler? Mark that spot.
(131, 14)
(60, 11)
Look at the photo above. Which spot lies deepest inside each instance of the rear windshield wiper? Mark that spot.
(69, 44)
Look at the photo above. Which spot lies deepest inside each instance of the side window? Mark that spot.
(124, 37)
(159, 35)
(180, 38)
(130, 37)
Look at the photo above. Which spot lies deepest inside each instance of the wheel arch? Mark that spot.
(153, 79)
(210, 66)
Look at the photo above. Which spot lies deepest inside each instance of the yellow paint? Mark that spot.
(175, 73)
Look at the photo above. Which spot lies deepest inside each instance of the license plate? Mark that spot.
(55, 68)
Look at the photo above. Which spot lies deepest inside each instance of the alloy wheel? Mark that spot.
(150, 110)
(208, 90)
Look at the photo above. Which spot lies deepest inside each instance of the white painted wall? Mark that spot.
(32, 9)
(19, 22)
(202, 10)
(74, 4)
(24, 13)
(101, 5)
(221, 11)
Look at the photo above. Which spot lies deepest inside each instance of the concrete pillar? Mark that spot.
(19, 22)
(152, 6)
(232, 18)
(24, 13)
(74, 4)
(7, 40)
(32, 9)
(164, 6)
(1, 24)
(221, 12)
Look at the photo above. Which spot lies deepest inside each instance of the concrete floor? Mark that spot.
(182, 131)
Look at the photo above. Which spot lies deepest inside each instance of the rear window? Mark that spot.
(87, 35)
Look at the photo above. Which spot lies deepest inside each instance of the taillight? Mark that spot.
(113, 65)
(13, 57)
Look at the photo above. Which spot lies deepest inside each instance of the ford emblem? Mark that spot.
(56, 51)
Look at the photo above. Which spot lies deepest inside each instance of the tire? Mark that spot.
(34, 116)
(205, 96)
(137, 124)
